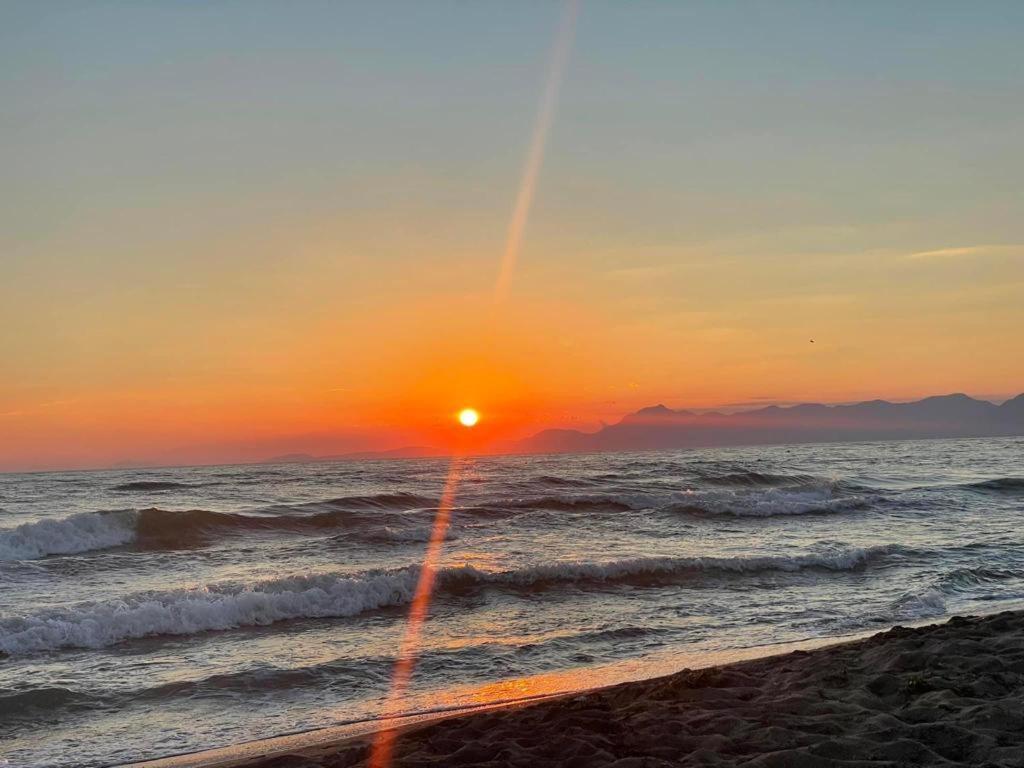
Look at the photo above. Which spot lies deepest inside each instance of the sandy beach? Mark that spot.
(515, 384)
(946, 694)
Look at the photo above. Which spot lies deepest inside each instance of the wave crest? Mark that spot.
(151, 485)
(1012, 485)
(232, 605)
(155, 528)
(67, 535)
(30, 704)
(751, 478)
(772, 502)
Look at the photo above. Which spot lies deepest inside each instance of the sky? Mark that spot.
(231, 230)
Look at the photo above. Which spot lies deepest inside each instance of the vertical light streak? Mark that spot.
(535, 155)
(383, 744)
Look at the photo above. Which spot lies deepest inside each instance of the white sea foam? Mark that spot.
(920, 605)
(217, 607)
(231, 605)
(89, 531)
(63, 536)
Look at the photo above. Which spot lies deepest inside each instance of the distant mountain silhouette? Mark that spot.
(658, 427)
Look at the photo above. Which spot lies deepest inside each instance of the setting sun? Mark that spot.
(403, 339)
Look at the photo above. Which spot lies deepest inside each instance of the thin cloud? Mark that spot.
(961, 251)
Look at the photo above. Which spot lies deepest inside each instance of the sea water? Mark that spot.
(148, 612)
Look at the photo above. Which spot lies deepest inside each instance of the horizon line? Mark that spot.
(441, 453)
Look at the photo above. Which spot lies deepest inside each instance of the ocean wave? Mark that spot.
(380, 518)
(925, 604)
(350, 673)
(232, 605)
(1010, 485)
(968, 579)
(771, 502)
(572, 503)
(354, 672)
(554, 481)
(383, 518)
(395, 501)
(981, 582)
(83, 532)
(215, 607)
(399, 535)
(750, 478)
(837, 558)
(370, 517)
(816, 497)
(31, 704)
(152, 485)
(168, 529)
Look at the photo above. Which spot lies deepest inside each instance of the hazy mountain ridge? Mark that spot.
(659, 427)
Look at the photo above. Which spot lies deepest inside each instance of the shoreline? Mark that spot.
(344, 744)
(551, 685)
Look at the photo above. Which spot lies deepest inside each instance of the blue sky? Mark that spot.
(200, 193)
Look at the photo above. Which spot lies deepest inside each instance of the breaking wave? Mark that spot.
(173, 529)
(983, 581)
(83, 532)
(381, 518)
(231, 605)
(768, 503)
(927, 603)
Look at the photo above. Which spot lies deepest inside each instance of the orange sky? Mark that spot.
(220, 249)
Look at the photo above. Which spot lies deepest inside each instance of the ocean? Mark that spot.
(148, 612)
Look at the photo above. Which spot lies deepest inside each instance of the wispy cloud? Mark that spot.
(34, 409)
(962, 251)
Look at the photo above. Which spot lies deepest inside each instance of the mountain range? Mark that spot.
(658, 427)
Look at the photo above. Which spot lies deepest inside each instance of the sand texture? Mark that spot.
(949, 694)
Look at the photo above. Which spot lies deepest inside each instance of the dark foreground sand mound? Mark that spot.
(950, 694)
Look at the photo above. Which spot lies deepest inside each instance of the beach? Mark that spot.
(167, 612)
(945, 694)
(511, 384)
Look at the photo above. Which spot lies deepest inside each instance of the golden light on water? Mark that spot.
(468, 417)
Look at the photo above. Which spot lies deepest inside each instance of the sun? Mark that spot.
(468, 417)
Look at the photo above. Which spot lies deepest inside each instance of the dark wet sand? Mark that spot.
(942, 695)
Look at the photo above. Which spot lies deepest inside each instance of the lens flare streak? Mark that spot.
(535, 155)
(383, 745)
(384, 742)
